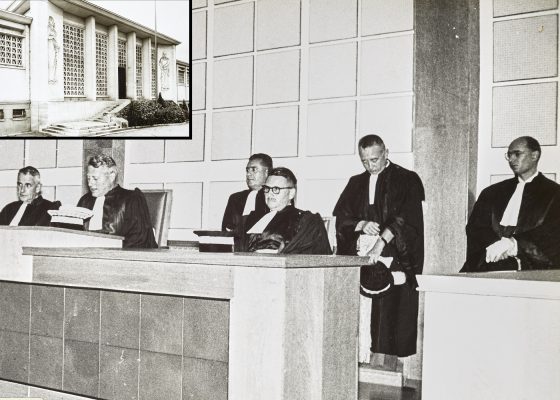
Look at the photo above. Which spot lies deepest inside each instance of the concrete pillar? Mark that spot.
(147, 68)
(90, 86)
(446, 87)
(113, 63)
(38, 64)
(131, 65)
(113, 148)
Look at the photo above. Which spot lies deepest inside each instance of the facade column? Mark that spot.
(38, 64)
(90, 85)
(113, 63)
(147, 68)
(131, 65)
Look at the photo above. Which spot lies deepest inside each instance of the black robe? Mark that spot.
(125, 213)
(291, 231)
(537, 232)
(35, 213)
(398, 207)
(234, 209)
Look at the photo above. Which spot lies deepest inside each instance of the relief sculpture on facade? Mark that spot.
(53, 48)
(164, 65)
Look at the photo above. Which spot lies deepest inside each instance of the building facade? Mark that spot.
(66, 60)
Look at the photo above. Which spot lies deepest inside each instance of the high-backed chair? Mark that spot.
(159, 205)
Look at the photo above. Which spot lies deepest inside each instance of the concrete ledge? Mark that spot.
(371, 375)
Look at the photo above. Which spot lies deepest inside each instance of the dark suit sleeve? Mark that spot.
(137, 227)
(480, 233)
(407, 225)
(228, 219)
(5, 216)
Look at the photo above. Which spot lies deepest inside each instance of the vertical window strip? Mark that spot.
(73, 41)
(101, 63)
(138, 71)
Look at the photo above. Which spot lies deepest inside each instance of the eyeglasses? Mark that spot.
(513, 154)
(275, 189)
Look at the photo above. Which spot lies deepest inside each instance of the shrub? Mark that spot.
(152, 112)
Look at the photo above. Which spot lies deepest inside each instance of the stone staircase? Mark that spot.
(102, 123)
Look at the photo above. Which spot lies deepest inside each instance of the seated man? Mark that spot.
(252, 199)
(515, 224)
(31, 209)
(116, 211)
(284, 229)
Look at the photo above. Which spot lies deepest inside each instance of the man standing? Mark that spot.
(31, 209)
(515, 224)
(116, 211)
(252, 199)
(383, 206)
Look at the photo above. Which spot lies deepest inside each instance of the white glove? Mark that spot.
(399, 277)
(502, 249)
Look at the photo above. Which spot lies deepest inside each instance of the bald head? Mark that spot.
(523, 156)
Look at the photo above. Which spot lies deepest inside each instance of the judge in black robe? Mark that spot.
(537, 231)
(35, 213)
(29, 192)
(290, 231)
(256, 172)
(398, 212)
(125, 212)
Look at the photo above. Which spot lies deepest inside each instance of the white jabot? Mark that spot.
(19, 214)
(373, 184)
(250, 202)
(262, 223)
(96, 221)
(512, 210)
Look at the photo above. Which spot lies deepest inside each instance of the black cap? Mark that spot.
(374, 278)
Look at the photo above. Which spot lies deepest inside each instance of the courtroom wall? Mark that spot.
(518, 84)
(301, 81)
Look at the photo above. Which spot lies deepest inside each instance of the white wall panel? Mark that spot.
(387, 65)
(382, 16)
(332, 19)
(331, 128)
(278, 23)
(233, 82)
(390, 118)
(231, 136)
(233, 29)
(332, 71)
(278, 77)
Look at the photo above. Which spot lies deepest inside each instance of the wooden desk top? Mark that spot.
(542, 284)
(63, 230)
(186, 256)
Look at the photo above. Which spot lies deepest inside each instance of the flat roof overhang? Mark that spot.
(84, 9)
(15, 18)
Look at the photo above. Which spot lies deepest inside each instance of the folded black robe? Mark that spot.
(537, 231)
(291, 231)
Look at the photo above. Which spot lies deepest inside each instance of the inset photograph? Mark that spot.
(95, 68)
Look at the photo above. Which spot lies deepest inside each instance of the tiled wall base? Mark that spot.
(113, 345)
